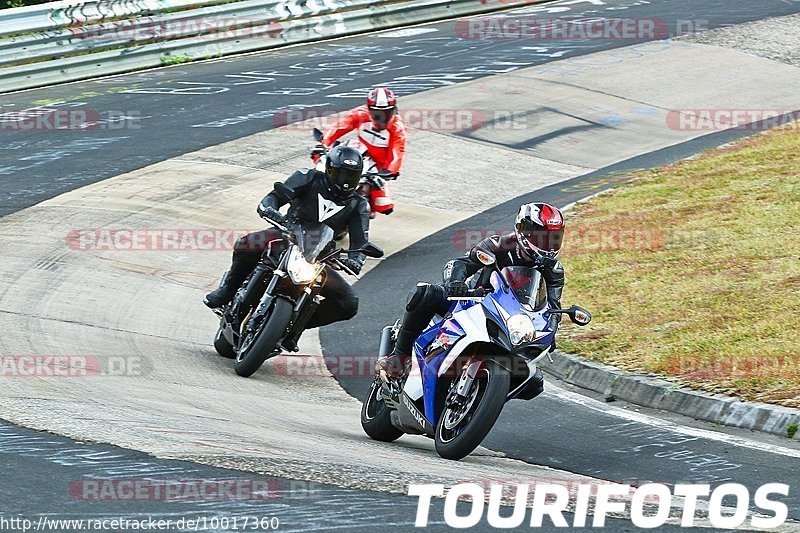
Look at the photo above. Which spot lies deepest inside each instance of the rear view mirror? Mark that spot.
(370, 250)
(317, 134)
(579, 315)
(283, 190)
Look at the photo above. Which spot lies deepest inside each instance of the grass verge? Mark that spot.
(692, 271)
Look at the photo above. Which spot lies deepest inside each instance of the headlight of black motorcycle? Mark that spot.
(300, 270)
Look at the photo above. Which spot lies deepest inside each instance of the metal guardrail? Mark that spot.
(72, 40)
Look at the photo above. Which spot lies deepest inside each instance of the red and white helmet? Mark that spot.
(382, 105)
(539, 228)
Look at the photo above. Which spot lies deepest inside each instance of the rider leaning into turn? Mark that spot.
(328, 197)
(535, 242)
(379, 127)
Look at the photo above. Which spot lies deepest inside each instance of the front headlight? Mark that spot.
(300, 270)
(520, 329)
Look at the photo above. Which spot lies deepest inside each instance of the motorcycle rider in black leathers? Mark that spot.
(329, 197)
(535, 242)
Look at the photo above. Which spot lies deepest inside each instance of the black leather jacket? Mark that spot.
(506, 251)
(314, 202)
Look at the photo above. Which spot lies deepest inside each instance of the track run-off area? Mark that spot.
(196, 146)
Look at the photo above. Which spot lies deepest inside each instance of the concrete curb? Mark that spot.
(658, 393)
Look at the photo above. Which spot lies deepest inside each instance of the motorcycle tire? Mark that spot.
(267, 337)
(222, 346)
(375, 417)
(492, 383)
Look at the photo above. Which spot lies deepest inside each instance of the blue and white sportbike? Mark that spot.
(469, 363)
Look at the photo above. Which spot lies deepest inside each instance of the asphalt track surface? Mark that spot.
(54, 468)
(185, 108)
(155, 115)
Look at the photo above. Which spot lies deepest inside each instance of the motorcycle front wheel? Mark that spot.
(462, 427)
(257, 346)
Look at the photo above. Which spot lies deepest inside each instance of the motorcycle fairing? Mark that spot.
(312, 238)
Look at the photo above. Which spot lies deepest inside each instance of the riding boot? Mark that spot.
(394, 363)
(241, 267)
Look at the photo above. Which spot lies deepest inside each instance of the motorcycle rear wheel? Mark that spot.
(222, 346)
(487, 398)
(257, 350)
(375, 416)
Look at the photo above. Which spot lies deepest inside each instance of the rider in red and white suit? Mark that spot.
(379, 127)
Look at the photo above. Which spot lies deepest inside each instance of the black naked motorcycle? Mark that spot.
(272, 307)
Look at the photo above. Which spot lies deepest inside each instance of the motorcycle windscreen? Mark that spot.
(312, 239)
(526, 282)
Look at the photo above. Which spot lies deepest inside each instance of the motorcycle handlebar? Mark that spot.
(337, 264)
(387, 177)
(278, 225)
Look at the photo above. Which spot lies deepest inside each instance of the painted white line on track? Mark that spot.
(407, 32)
(584, 401)
(201, 162)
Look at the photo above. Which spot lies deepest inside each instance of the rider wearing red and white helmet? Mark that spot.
(535, 242)
(539, 230)
(379, 127)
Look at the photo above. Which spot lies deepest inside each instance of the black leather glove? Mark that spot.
(548, 262)
(353, 264)
(456, 289)
(270, 213)
(554, 320)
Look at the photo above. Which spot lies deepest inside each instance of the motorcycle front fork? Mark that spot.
(459, 393)
(304, 309)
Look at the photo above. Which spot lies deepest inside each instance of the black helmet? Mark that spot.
(343, 168)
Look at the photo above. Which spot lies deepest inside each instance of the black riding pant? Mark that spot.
(422, 305)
